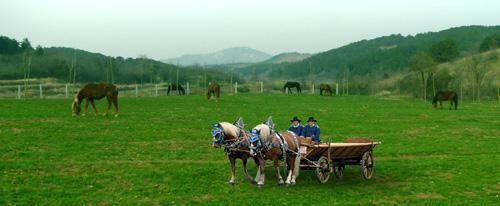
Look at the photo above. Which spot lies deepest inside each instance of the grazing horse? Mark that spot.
(291, 85)
(176, 87)
(445, 95)
(325, 88)
(91, 92)
(234, 139)
(269, 145)
(213, 89)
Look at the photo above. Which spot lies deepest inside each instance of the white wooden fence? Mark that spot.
(137, 90)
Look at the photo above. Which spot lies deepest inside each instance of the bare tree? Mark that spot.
(422, 64)
(143, 58)
(478, 66)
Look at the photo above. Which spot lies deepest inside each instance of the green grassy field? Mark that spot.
(159, 152)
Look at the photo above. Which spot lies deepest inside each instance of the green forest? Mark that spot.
(462, 58)
(400, 64)
(19, 60)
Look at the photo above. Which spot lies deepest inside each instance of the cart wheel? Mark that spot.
(324, 170)
(367, 165)
(339, 171)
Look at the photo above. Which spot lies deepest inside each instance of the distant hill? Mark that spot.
(225, 56)
(383, 55)
(287, 57)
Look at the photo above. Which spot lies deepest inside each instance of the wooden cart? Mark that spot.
(327, 158)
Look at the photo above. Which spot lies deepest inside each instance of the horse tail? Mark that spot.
(296, 169)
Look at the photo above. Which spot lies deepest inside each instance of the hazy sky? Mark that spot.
(162, 29)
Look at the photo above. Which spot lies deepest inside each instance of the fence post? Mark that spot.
(18, 91)
(236, 88)
(136, 91)
(41, 91)
(156, 90)
(261, 87)
(337, 89)
(187, 88)
(313, 89)
(66, 90)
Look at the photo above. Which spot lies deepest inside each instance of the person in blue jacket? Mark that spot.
(311, 130)
(296, 127)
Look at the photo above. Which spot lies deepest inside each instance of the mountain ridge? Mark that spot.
(225, 56)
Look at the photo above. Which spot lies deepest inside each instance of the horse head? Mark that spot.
(218, 135)
(75, 106)
(254, 140)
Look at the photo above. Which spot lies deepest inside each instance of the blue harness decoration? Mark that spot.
(217, 130)
(253, 135)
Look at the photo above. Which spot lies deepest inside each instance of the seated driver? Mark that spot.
(311, 130)
(296, 127)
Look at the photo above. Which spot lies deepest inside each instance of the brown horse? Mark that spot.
(175, 87)
(291, 85)
(235, 141)
(445, 95)
(213, 89)
(269, 145)
(91, 92)
(325, 88)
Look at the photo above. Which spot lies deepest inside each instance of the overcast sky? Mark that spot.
(162, 29)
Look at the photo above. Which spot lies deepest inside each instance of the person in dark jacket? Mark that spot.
(311, 130)
(296, 127)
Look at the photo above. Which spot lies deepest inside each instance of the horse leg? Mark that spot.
(261, 173)
(245, 169)
(257, 176)
(86, 107)
(291, 167)
(93, 106)
(109, 106)
(232, 160)
(115, 103)
(451, 104)
(277, 170)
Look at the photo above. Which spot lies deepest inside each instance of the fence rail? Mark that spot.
(51, 90)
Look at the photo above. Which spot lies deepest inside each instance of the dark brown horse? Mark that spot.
(291, 85)
(269, 145)
(175, 87)
(446, 96)
(235, 142)
(213, 89)
(91, 92)
(325, 88)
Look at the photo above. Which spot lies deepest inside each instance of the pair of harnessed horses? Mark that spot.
(261, 143)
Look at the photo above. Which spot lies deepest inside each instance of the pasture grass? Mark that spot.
(158, 152)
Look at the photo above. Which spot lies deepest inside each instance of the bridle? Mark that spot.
(230, 145)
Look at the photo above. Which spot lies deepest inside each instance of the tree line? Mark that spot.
(19, 60)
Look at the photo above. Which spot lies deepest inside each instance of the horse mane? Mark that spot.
(265, 132)
(230, 129)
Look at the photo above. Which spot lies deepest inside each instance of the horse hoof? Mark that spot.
(260, 185)
(231, 183)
